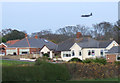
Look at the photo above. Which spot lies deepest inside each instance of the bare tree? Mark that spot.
(103, 30)
(72, 30)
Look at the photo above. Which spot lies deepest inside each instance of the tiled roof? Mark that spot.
(11, 42)
(34, 43)
(85, 42)
(104, 44)
(115, 49)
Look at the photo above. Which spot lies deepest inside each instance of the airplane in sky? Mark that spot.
(86, 15)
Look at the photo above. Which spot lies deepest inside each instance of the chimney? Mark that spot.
(36, 37)
(25, 35)
(78, 35)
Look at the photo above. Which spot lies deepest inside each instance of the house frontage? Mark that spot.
(31, 45)
(3, 49)
(113, 54)
(84, 47)
(79, 47)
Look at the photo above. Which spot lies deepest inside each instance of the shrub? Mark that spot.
(75, 59)
(80, 71)
(100, 60)
(41, 60)
(87, 61)
(47, 55)
(96, 60)
(43, 72)
(49, 58)
(117, 62)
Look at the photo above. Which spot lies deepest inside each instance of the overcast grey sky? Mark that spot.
(36, 16)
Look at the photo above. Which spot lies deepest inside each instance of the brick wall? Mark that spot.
(111, 57)
(34, 50)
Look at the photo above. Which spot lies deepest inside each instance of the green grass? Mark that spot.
(107, 79)
(12, 63)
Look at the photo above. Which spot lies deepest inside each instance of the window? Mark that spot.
(89, 53)
(46, 40)
(48, 52)
(64, 55)
(42, 52)
(14, 53)
(101, 52)
(80, 53)
(24, 52)
(93, 53)
(73, 53)
(69, 55)
(118, 57)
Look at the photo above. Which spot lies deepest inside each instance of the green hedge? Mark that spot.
(96, 60)
(75, 59)
(43, 72)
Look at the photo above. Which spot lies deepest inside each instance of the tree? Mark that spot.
(3, 40)
(103, 30)
(6, 31)
(117, 31)
(72, 30)
(14, 34)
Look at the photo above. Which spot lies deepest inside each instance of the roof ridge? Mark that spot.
(28, 41)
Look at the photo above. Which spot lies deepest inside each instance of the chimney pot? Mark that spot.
(36, 37)
(78, 35)
(25, 35)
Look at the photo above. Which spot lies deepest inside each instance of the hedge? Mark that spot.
(80, 71)
(43, 72)
(96, 60)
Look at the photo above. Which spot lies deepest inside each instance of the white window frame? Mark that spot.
(92, 53)
(117, 57)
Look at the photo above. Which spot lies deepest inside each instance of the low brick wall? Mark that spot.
(21, 56)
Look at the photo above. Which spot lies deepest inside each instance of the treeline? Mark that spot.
(100, 31)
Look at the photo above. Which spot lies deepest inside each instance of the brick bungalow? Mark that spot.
(113, 54)
(29, 45)
(3, 49)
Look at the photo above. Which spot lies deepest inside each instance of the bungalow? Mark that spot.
(31, 45)
(79, 47)
(84, 47)
(113, 54)
(3, 47)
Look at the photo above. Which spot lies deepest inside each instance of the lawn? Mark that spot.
(12, 62)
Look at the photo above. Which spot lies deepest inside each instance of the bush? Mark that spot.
(47, 55)
(41, 60)
(81, 71)
(75, 59)
(117, 62)
(43, 72)
(97, 60)
(88, 61)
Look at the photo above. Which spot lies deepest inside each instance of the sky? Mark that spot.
(37, 16)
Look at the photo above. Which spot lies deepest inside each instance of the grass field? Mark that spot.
(17, 63)
(11, 62)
